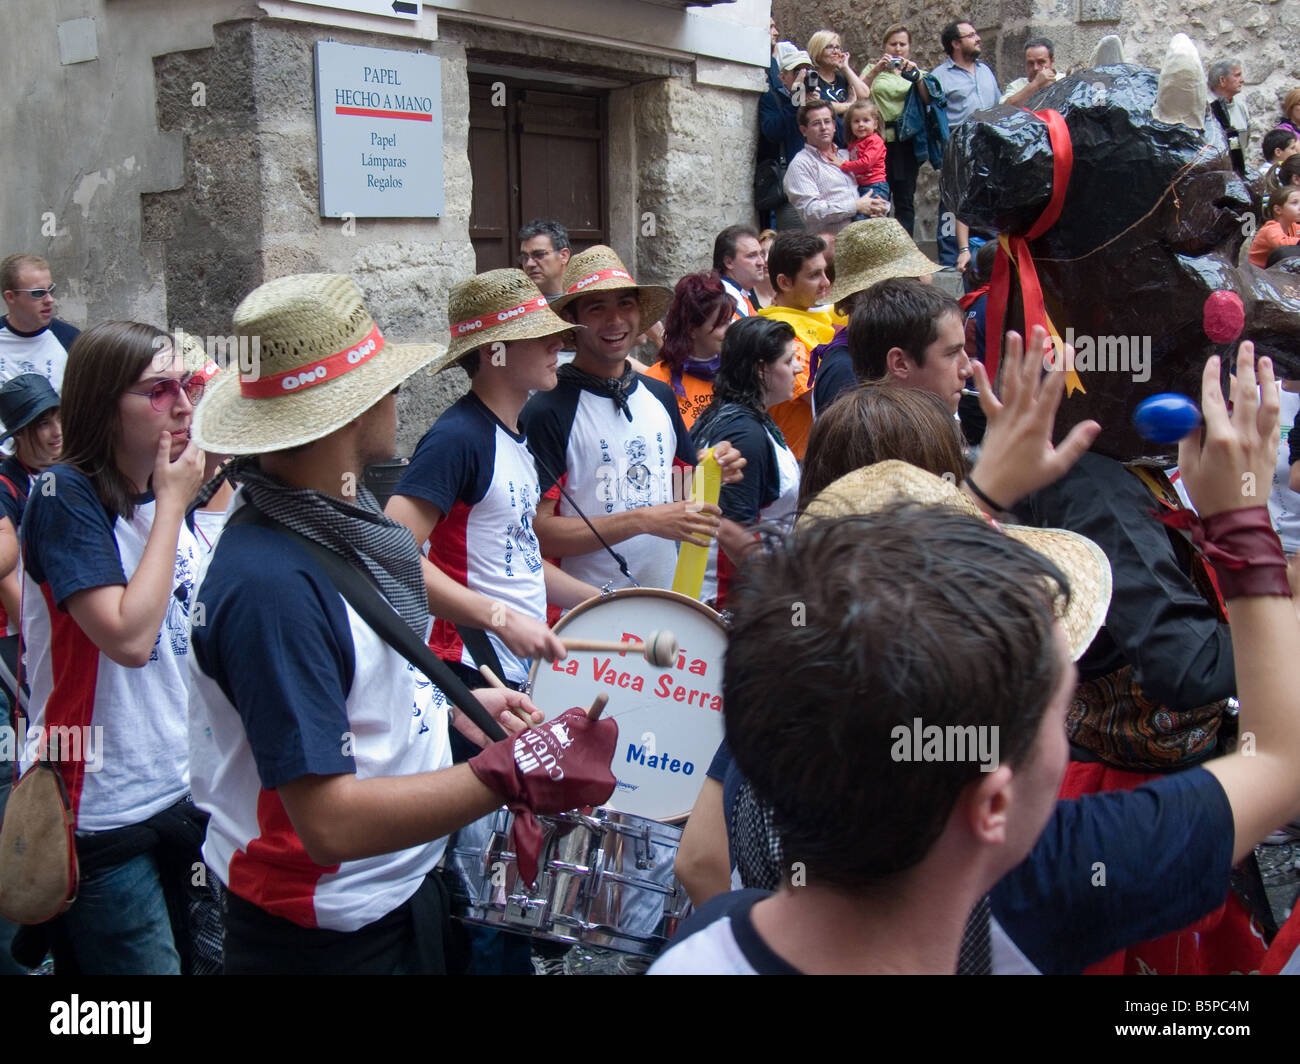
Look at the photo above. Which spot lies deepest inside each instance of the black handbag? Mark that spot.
(769, 187)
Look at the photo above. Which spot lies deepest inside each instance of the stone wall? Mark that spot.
(84, 144)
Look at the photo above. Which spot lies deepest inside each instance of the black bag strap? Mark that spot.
(481, 649)
(379, 615)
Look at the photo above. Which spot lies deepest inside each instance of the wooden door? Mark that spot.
(534, 153)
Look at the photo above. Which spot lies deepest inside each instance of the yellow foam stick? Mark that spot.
(692, 559)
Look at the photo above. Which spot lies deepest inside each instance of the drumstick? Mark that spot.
(492, 678)
(659, 649)
(597, 707)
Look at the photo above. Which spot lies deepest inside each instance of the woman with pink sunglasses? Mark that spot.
(109, 568)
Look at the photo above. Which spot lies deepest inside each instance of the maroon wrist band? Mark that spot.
(1243, 548)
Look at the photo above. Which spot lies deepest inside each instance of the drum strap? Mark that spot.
(364, 597)
(480, 649)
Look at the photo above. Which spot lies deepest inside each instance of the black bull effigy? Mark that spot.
(1150, 226)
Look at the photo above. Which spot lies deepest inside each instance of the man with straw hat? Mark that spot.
(322, 756)
(614, 438)
(956, 717)
(865, 252)
(471, 489)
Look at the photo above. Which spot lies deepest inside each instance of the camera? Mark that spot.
(896, 61)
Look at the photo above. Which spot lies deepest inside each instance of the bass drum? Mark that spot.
(604, 880)
(669, 720)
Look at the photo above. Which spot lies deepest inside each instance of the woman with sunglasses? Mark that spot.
(109, 567)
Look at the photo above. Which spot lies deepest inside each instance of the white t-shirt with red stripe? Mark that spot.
(130, 723)
(288, 681)
(481, 476)
(612, 461)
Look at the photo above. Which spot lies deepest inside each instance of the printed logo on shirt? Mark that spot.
(175, 624)
(633, 481)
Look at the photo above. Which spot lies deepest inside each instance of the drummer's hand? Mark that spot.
(528, 637)
(687, 522)
(512, 710)
(730, 461)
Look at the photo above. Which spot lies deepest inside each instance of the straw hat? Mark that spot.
(497, 307)
(875, 250)
(319, 362)
(874, 487)
(195, 357)
(598, 269)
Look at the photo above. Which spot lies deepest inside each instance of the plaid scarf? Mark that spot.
(617, 388)
(358, 532)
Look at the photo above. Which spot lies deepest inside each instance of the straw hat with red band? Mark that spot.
(1084, 564)
(195, 357)
(322, 361)
(497, 307)
(598, 269)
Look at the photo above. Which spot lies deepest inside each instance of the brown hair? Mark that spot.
(103, 363)
(875, 423)
(1292, 98)
(1277, 198)
(868, 105)
(11, 266)
(897, 27)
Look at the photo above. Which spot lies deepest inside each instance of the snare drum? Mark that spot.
(669, 720)
(604, 880)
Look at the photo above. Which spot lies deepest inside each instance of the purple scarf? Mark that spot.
(705, 371)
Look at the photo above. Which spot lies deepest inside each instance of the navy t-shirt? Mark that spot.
(761, 484)
(67, 536)
(834, 377)
(15, 484)
(284, 657)
(1110, 870)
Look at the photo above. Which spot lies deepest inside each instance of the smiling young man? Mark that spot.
(471, 489)
(613, 437)
(910, 335)
(797, 266)
(32, 339)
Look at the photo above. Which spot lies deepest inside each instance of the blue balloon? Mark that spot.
(1166, 418)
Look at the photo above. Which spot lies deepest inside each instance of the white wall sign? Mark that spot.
(392, 8)
(379, 132)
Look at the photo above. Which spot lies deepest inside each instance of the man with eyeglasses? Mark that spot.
(32, 339)
(969, 86)
(543, 254)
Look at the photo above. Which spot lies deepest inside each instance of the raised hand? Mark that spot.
(1229, 464)
(1017, 455)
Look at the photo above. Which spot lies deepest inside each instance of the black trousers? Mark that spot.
(411, 940)
(901, 168)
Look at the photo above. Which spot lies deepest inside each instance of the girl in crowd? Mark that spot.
(109, 569)
(697, 321)
(1282, 211)
(757, 371)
